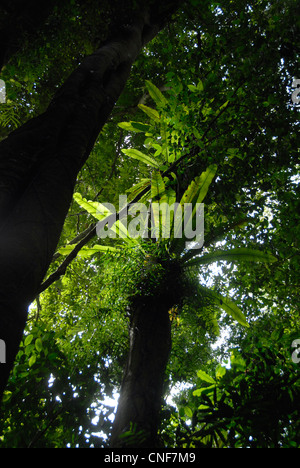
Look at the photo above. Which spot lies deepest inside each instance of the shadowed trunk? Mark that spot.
(142, 388)
(138, 414)
(39, 163)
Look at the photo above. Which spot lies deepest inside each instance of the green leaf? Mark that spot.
(28, 340)
(102, 248)
(234, 255)
(203, 376)
(198, 188)
(204, 408)
(152, 113)
(158, 149)
(200, 86)
(136, 127)
(167, 202)
(220, 371)
(156, 94)
(38, 344)
(32, 360)
(196, 89)
(222, 107)
(126, 126)
(199, 391)
(157, 188)
(6, 396)
(193, 88)
(65, 250)
(97, 210)
(157, 185)
(191, 193)
(135, 154)
(205, 180)
(122, 232)
(197, 191)
(232, 309)
(188, 411)
(227, 305)
(138, 188)
(102, 212)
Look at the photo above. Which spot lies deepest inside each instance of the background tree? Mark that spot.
(76, 339)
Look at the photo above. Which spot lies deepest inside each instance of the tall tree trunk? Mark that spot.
(142, 387)
(39, 163)
(138, 414)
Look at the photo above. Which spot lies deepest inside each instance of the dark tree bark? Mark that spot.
(39, 163)
(142, 388)
(20, 19)
(138, 414)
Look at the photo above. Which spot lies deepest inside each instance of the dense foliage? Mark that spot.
(223, 72)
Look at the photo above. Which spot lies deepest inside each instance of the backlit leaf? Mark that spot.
(227, 305)
(28, 340)
(234, 255)
(152, 113)
(203, 376)
(136, 154)
(97, 210)
(156, 94)
(32, 360)
(38, 344)
(136, 127)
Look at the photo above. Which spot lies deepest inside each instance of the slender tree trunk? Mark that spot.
(39, 163)
(142, 388)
